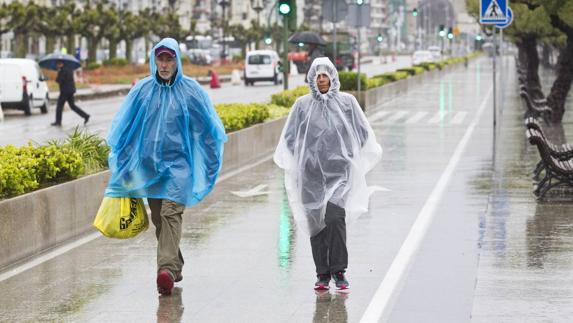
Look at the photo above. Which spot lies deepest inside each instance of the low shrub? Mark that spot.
(92, 149)
(412, 70)
(393, 76)
(117, 61)
(426, 66)
(348, 81)
(376, 82)
(93, 66)
(236, 116)
(24, 169)
(277, 111)
(288, 97)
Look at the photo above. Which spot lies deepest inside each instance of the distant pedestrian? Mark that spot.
(314, 52)
(326, 148)
(167, 146)
(65, 80)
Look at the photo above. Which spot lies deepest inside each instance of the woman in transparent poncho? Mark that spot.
(326, 148)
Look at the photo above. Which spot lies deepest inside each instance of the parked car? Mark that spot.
(22, 85)
(436, 52)
(262, 65)
(422, 56)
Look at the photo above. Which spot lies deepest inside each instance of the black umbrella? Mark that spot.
(306, 37)
(50, 61)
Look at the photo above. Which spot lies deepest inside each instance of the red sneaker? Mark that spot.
(164, 282)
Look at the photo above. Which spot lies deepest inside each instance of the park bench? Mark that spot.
(557, 172)
(534, 110)
(561, 152)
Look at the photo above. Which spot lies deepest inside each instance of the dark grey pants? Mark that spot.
(329, 245)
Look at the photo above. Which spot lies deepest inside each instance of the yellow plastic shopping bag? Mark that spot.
(121, 217)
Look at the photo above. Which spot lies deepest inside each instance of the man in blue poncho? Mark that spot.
(167, 146)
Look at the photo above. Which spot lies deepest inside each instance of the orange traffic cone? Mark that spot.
(214, 80)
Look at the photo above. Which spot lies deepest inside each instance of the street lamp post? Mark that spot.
(258, 7)
(224, 4)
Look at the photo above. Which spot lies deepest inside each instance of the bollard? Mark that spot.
(236, 77)
(214, 80)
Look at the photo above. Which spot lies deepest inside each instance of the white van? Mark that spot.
(22, 85)
(262, 65)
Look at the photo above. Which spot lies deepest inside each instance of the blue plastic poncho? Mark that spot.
(166, 140)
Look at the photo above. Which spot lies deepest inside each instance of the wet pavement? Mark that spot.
(491, 252)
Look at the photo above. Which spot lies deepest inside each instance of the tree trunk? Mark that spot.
(128, 49)
(50, 44)
(562, 84)
(112, 49)
(71, 43)
(92, 49)
(528, 53)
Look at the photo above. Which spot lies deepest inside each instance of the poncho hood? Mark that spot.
(166, 140)
(173, 45)
(323, 65)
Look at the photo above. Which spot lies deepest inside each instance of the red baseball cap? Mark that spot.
(166, 50)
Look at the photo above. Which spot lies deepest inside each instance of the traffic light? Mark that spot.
(380, 38)
(359, 2)
(268, 39)
(442, 31)
(450, 33)
(285, 7)
(415, 12)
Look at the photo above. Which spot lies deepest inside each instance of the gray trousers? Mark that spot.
(329, 245)
(166, 216)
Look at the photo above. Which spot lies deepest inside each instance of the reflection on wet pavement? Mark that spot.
(330, 307)
(526, 258)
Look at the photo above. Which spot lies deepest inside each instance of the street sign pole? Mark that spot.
(494, 83)
(358, 76)
(285, 53)
(335, 16)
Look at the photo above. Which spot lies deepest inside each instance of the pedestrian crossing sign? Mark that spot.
(493, 11)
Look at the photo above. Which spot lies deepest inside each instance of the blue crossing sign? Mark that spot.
(494, 12)
(508, 21)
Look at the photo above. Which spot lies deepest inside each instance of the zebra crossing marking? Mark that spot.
(417, 117)
(459, 118)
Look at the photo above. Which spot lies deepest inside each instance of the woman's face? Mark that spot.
(323, 83)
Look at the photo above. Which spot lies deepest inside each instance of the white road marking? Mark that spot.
(381, 304)
(417, 117)
(459, 118)
(397, 116)
(439, 116)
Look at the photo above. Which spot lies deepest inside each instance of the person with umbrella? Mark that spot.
(65, 65)
(313, 41)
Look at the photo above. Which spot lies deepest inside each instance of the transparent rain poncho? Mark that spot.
(166, 140)
(326, 148)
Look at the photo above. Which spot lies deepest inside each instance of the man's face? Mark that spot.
(166, 66)
(59, 65)
(323, 83)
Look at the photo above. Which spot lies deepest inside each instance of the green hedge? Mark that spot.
(236, 116)
(392, 76)
(412, 70)
(348, 81)
(426, 66)
(24, 169)
(287, 98)
(117, 61)
(93, 66)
